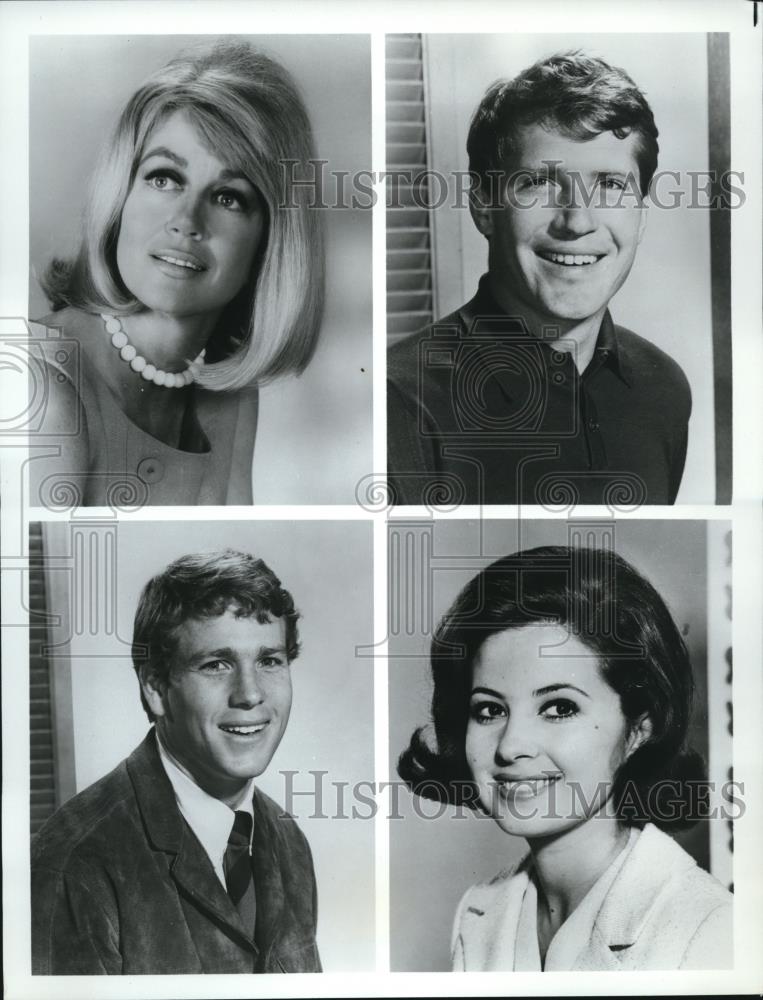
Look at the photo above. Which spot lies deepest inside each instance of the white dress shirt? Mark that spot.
(210, 819)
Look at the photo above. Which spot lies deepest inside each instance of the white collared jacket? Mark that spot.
(660, 911)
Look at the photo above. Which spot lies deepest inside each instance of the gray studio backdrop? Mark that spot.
(94, 575)
(434, 860)
(314, 433)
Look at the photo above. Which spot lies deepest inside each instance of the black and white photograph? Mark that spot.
(192, 713)
(186, 268)
(381, 492)
(558, 269)
(564, 689)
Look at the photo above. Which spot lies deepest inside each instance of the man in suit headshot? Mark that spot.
(175, 862)
(530, 393)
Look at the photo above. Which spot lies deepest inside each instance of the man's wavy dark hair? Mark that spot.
(571, 93)
(606, 604)
(205, 585)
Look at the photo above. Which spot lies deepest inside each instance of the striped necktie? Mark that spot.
(237, 865)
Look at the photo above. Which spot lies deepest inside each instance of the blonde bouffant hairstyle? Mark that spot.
(248, 110)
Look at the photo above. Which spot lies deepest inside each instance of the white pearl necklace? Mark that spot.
(170, 380)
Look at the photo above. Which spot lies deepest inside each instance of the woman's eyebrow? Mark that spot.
(234, 175)
(558, 687)
(490, 691)
(539, 168)
(225, 175)
(165, 151)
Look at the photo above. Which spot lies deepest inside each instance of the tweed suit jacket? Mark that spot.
(121, 885)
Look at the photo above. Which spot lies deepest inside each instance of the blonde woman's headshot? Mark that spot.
(182, 285)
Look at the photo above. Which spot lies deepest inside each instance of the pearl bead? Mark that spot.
(172, 380)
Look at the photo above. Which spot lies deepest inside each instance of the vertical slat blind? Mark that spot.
(409, 262)
(43, 790)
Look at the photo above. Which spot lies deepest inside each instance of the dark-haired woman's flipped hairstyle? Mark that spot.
(606, 604)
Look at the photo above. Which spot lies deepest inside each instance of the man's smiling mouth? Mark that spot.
(244, 730)
(571, 259)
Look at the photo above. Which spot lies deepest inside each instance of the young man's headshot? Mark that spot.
(192, 851)
(174, 862)
(534, 392)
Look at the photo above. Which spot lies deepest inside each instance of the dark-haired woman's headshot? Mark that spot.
(563, 709)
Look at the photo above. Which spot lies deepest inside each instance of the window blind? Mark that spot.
(41, 738)
(409, 262)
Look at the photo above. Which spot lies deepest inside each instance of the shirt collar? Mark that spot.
(210, 819)
(609, 350)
